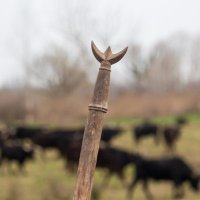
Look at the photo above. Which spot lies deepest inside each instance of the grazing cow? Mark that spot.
(114, 160)
(55, 138)
(73, 153)
(16, 153)
(23, 132)
(67, 131)
(36, 134)
(172, 169)
(172, 133)
(70, 151)
(144, 130)
(109, 133)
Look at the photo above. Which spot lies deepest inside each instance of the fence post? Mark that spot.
(93, 129)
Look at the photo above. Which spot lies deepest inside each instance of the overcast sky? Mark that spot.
(143, 21)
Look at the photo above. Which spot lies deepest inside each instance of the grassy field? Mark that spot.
(47, 179)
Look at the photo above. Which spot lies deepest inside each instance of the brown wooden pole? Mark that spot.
(93, 129)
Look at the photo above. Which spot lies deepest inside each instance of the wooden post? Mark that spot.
(93, 129)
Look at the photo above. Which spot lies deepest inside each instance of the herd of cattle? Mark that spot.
(67, 142)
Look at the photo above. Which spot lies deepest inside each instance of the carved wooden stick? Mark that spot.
(93, 129)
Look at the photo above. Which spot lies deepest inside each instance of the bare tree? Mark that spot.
(160, 70)
(57, 73)
(195, 61)
(90, 24)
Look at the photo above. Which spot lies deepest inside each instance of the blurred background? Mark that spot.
(48, 73)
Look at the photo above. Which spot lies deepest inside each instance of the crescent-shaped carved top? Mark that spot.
(107, 55)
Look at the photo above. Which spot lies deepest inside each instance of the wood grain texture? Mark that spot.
(93, 129)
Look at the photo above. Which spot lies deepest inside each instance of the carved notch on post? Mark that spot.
(93, 128)
(107, 55)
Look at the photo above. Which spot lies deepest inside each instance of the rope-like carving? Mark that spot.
(104, 68)
(98, 108)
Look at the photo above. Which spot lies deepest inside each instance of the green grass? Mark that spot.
(126, 121)
(48, 180)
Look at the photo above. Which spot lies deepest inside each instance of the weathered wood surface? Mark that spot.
(93, 129)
